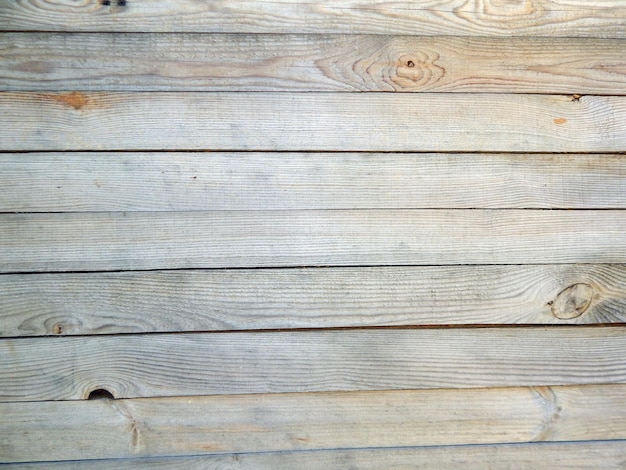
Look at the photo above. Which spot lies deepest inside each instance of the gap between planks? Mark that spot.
(580, 455)
(288, 422)
(244, 299)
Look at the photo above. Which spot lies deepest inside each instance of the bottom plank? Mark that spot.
(598, 455)
(99, 429)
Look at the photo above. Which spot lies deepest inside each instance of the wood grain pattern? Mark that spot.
(130, 366)
(590, 455)
(311, 121)
(244, 62)
(67, 182)
(169, 301)
(209, 425)
(601, 18)
(163, 240)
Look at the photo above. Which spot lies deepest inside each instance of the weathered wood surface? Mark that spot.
(206, 425)
(585, 455)
(597, 18)
(167, 62)
(311, 121)
(162, 240)
(130, 366)
(169, 301)
(99, 181)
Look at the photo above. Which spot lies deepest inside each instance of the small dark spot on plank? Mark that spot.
(121, 3)
(410, 63)
(106, 3)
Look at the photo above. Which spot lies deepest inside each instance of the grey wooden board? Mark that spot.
(585, 455)
(603, 18)
(311, 121)
(130, 366)
(198, 300)
(162, 240)
(99, 181)
(275, 422)
(236, 62)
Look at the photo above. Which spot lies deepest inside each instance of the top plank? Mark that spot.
(551, 18)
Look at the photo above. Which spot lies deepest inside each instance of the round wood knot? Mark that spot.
(572, 301)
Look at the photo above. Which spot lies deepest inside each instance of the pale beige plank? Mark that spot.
(277, 422)
(67, 182)
(581, 455)
(311, 121)
(131, 366)
(162, 301)
(604, 18)
(218, 62)
(163, 240)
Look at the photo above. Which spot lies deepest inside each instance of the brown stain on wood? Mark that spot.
(75, 99)
(560, 121)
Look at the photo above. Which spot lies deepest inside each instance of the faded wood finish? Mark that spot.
(170, 301)
(201, 214)
(311, 121)
(77, 182)
(579, 18)
(209, 425)
(161, 240)
(166, 62)
(589, 455)
(128, 366)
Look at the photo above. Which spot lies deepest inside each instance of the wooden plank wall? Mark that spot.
(312, 234)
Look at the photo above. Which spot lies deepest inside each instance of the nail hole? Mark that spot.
(106, 3)
(410, 63)
(121, 3)
(100, 394)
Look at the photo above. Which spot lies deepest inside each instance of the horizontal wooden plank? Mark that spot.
(169, 301)
(604, 18)
(311, 121)
(163, 240)
(67, 182)
(278, 422)
(581, 455)
(271, 62)
(131, 366)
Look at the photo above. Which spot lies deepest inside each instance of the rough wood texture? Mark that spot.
(129, 366)
(162, 240)
(600, 18)
(67, 182)
(594, 455)
(311, 121)
(205, 425)
(161, 301)
(165, 62)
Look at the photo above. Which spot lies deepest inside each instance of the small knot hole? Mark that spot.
(100, 394)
